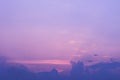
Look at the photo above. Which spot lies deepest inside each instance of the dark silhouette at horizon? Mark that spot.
(99, 71)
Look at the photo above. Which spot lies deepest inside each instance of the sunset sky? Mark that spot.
(59, 30)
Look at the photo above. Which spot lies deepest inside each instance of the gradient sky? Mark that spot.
(59, 29)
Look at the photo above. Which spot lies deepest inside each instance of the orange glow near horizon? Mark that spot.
(57, 62)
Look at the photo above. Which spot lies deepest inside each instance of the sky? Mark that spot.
(61, 30)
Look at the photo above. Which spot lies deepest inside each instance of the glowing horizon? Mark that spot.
(58, 62)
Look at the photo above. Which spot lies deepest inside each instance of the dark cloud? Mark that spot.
(104, 71)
